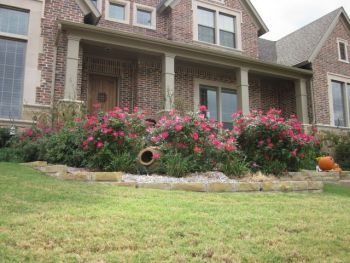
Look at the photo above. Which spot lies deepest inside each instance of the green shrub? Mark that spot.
(4, 137)
(10, 155)
(175, 164)
(275, 167)
(124, 162)
(234, 167)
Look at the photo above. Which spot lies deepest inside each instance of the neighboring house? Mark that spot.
(152, 54)
(323, 47)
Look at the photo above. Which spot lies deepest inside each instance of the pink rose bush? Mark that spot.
(194, 137)
(272, 142)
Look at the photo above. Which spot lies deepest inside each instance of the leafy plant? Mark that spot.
(176, 165)
(234, 167)
(4, 137)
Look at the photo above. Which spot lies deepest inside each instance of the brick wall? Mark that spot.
(327, 62)
(266, 93)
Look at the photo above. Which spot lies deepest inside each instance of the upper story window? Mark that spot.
(13, 21)
(145, 16)
(118, 11)
(217, 25)
(340, 101)
(13, 43)
(343, 50)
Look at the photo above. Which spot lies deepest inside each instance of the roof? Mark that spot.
(301, 46)
(90, 11)
(165, 4)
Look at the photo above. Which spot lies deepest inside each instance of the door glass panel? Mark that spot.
(228, 106)
(338, 106)
(208, 97)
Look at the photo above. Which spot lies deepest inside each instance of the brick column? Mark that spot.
(168, 80)
(243, 90)
(71, 81)
(301, 100)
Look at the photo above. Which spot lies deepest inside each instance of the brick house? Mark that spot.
(159, 54)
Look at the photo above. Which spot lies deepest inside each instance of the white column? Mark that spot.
(243, 90)
(301, 100)
(168, 80)
(71, 81)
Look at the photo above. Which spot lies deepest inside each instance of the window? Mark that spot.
(145, 16)
(343, 50)
(94, 2)
(227, 30)
(13, 21)
(221, 103)
(217, 26)
(118, 11)
(12, 60)
(340, 101)
(206, 25)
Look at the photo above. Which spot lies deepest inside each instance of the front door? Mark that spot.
(102, 91)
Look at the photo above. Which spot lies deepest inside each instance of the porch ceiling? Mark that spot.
(183, 51)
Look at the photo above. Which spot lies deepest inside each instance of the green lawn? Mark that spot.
(47, 220)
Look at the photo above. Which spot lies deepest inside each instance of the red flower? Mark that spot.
(99, 145)
(198, 150)
(195, 136)
(178, 128)
(155, 155)
(203, 108)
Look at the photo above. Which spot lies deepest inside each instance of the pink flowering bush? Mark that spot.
(272, 143)
(202, 144)
(112, 136)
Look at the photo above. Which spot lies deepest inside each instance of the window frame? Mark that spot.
(148, 9)
(126, 5)
(346, 45)
(345, 81)
(219, 86)
(217, 9)
(19, 38)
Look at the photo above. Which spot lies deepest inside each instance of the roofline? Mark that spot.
(185, 47)
(89, 9)
(328, 33)
(164, 4)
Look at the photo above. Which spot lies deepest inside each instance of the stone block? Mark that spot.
(107, 176)
(36, 164)
(55, 170)
(220, 187)
(162, 186)
(78, 176)
(248, 187)
(125, 184)
(315, 185)
(300, 186)
(269, 186)
(286, 186)
(194, 187)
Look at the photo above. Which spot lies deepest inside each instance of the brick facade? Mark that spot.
(327, 62)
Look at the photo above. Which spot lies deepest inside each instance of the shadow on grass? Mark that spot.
(337, 190)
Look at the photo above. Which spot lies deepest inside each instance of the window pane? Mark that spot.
(226, 23)
(228, 107)
(116, 11)
(208, 97)
(342, 51)
(227, 39)
(205, 17)
(206, 34)
(11, 77)
(144, 17)
(13, 21)
(338, 107)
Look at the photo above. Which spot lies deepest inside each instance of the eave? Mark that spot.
(91, 14)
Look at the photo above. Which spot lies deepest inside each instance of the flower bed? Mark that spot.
(111, 141)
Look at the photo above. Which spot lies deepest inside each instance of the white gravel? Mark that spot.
(207, 177)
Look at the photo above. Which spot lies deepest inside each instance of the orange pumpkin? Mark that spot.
(326, 163)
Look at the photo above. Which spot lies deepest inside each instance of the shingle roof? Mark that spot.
(298, 46)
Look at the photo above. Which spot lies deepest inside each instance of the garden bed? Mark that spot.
(197, 182)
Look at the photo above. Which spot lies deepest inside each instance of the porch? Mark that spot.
(157, 76)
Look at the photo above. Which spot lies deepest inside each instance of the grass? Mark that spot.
(46, 220)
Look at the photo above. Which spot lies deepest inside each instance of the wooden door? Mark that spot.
(102, 91)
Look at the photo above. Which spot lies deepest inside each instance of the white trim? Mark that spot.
(126, 5)
(145, 8)
(218, 9)
(346, 107)
(215, 84)
(14, 36)
(346, 45)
